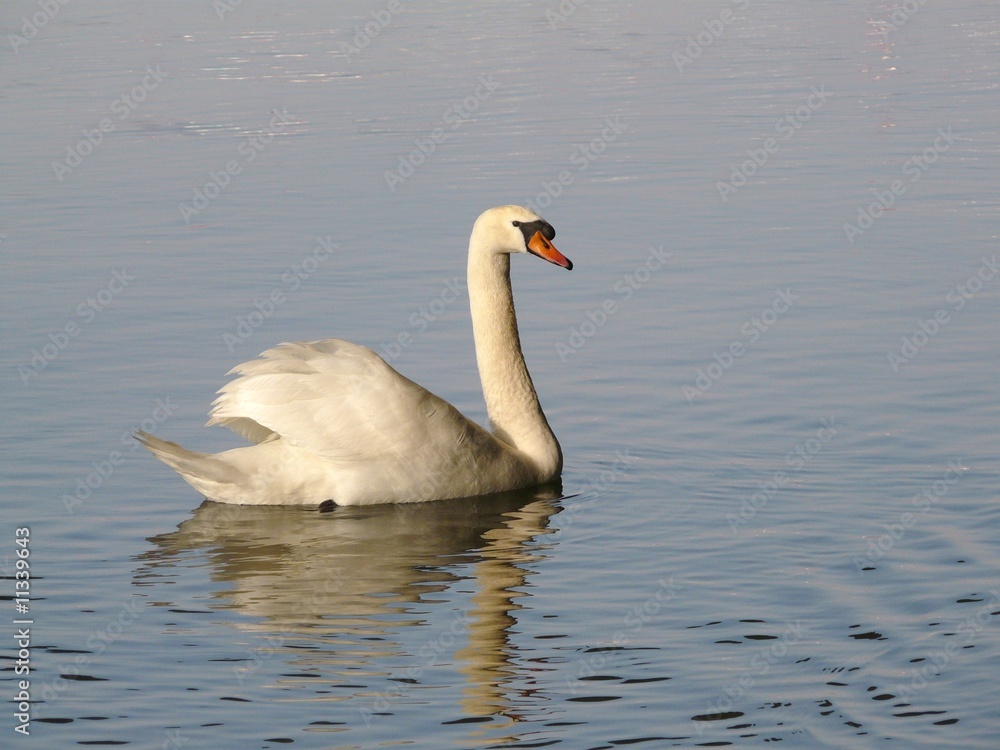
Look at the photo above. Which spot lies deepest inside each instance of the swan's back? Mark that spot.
(384, 435)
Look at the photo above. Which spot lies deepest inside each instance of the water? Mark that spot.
(777, 521)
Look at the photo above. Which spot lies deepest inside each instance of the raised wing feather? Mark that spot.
(343, 402)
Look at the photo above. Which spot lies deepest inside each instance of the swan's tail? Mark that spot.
(200, 470)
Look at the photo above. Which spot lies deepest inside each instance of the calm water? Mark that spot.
(773, 371)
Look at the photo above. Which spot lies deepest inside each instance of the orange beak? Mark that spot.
(541, 247)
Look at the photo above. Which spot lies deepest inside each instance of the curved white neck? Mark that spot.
(511, 401)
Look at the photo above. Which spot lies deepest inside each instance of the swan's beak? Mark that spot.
(541, 247)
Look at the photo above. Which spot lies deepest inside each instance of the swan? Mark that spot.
(333, 424)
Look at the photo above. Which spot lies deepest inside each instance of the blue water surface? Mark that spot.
(773, 370)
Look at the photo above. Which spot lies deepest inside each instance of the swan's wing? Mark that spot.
(341, 401)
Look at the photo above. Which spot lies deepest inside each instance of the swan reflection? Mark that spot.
(331, 595)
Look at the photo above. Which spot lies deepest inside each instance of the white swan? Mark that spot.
(331, 421)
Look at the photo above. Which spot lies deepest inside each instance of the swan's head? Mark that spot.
(515, 229)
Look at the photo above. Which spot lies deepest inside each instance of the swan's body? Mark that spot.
(331, 420)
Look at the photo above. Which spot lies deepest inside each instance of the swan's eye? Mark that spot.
(516, 223)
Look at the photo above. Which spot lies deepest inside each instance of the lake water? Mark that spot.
(774, 370)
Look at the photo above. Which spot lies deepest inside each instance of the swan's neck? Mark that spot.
(511, 400)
